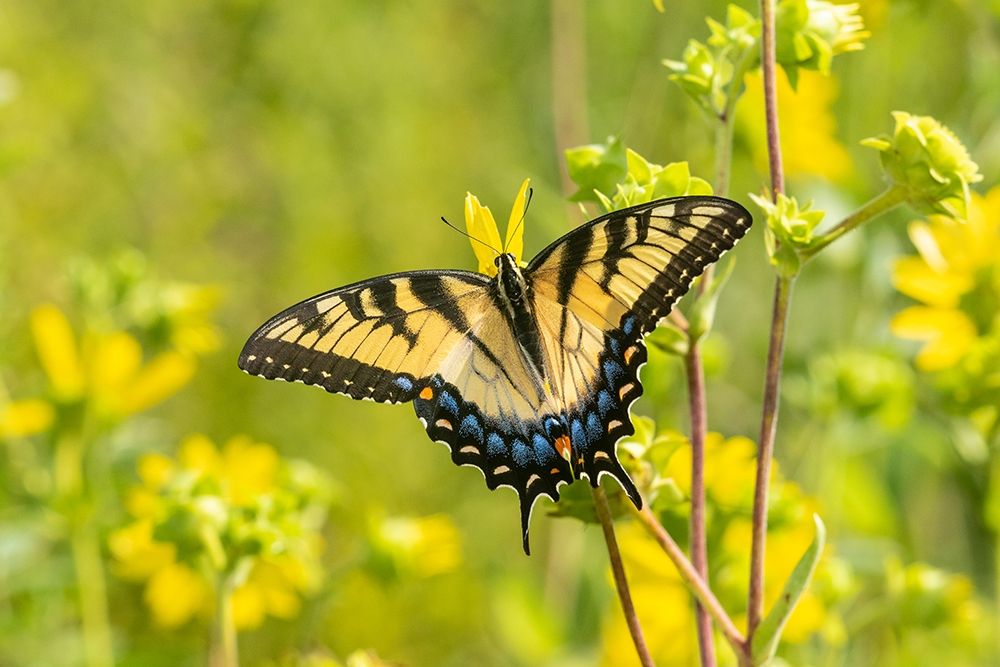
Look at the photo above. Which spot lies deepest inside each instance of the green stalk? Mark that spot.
(224, 651)
(889, 199)
(779, 319)
(621, 582)
(85, 545)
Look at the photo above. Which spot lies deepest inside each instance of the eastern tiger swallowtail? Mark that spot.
(527, 376)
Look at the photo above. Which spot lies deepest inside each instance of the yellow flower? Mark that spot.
(57, 352)
(482, 228)
(23, 418)
(106, 369)
(175, 594)
(808, 127)
(956, 276)
(236, 515)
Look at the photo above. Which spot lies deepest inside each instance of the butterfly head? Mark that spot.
(510, 277)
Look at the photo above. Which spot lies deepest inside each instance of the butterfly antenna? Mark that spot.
(468, 235)
(524, 214)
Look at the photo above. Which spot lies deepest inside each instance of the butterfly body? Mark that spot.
(528, 376)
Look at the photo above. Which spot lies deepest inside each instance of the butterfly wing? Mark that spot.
(440, 340)
(599, 289)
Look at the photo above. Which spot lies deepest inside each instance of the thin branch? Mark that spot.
(621, 583)
(699, 547)
(769, 67)
(883, 202)
(765, 452)
(693, 581)
(782, 292)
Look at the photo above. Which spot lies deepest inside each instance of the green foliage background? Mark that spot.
(277, 150)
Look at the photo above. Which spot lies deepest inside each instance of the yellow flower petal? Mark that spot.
(198, 453)
(482, 227)
(57, 352)
(141, 502)
(514, 244)
(249, 606)
(155, 470)
(249, 469)
(280, 599)
(175, 594)
(915, 278)
(808, 127)
(949, 334)
(138, 556)
(111, 363)
(23, 418)
(158, 380)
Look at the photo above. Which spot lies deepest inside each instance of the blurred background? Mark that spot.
(174, 173)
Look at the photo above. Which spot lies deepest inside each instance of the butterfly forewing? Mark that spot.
(598, 289)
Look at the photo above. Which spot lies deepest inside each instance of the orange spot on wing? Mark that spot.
(564, 447)
(629, 352)
(427, 393)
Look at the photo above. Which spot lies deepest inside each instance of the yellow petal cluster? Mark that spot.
(956, 278)
(105, 369)
(227, 491)
(485, 236)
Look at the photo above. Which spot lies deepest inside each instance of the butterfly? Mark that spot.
(528, 376)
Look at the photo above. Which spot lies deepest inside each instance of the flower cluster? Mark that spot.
(789, 230)
(618, 177)
(928, 163)
(239, 518)
(808, 34)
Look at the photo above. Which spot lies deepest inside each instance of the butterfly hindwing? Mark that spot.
(599, 289)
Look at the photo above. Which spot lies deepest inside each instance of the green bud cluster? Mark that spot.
(924, 158)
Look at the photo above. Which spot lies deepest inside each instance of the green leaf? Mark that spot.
(768, 635)
(596, 167)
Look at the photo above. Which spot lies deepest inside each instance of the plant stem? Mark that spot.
(699, 548)
(889, 199)
(769, 67)
(765, 451)
(85, 546)
(693, 581)
(224, 652)
(621, 583)
(779, 318)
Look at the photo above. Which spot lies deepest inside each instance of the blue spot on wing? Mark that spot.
(471, 428)
(578, 434)
(448, 402)
(605, 403)
(544, 451)
(628, 326)
(522, 455)
(613, 372)
(616, 347)
(494, 445)
(403, 383)
(594, 429)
